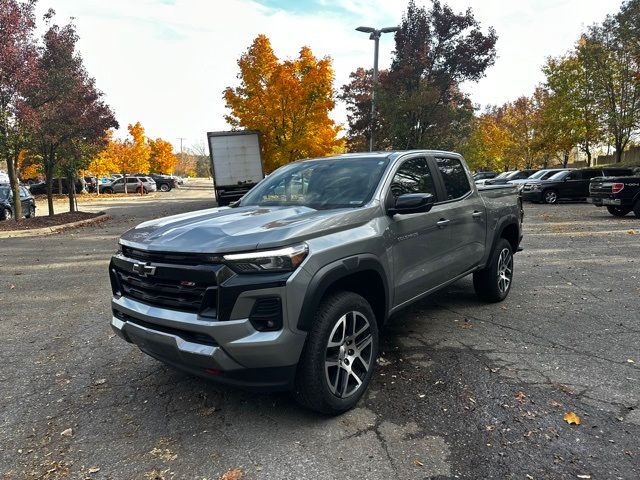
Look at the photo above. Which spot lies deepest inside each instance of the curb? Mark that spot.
(53, 229)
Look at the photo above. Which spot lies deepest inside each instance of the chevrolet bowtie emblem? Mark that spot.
(144, 269)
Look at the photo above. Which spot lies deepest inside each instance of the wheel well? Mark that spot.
(369, 285)
(510, 233)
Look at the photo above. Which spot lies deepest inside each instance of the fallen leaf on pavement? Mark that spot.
(555, 403)
(67, 433)
(630, 360)
(520, 397)
(584, 476)
(571, 418)
(418, 463)
(233, 474)
(94, 469)
(632, 232)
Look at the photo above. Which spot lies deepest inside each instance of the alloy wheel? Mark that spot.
(349, 354)
(505, 270)
(550, 197)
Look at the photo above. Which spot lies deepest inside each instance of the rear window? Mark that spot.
(454, 176)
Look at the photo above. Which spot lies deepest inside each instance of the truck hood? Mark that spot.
(226, 230)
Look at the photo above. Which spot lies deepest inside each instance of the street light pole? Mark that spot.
(375, 36)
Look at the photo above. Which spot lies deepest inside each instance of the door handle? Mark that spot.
(476, 214)
(443, 223)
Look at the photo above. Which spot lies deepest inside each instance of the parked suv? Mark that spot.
(517, 175)
(289, 289)
(6, 203)
(135, 184)
(164, 183)
(572, 184)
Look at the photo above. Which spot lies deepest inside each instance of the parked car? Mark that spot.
(289, 291)
(572, 184)
(539, 175)
(136, 184)
(499, 176)
(484, 175)
(164, 183)
(41, 188)
(515, 175)
(91, 183)
(6, 203)
(620, 195)
(4, 178)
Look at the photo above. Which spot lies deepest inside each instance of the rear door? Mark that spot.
(25, 200)
(419, 244)
(466, 215)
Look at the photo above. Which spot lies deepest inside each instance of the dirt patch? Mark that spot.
(47, 221)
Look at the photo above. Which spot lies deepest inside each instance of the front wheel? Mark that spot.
(550, 196)
(492, 283)
(32, 212)
(618, 211)
(6, 214)
(339, 356)
(164, 187)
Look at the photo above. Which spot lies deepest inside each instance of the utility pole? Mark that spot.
(375, 36)
(181, 155)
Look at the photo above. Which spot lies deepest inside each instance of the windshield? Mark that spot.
(538, 174)
(319, 184)
(504, 174)
(558, 176)
(4, 193)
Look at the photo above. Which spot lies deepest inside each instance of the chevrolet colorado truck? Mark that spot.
(620, 195)
(289, 288)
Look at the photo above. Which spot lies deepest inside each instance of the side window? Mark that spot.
(413, 176)
(454, 176)
(588, 174)
(133, 180)
(23, 193)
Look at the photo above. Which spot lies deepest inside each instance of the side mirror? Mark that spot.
(412, 203)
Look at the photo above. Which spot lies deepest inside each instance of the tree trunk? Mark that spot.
(48, 178)
(619, 151)
(587, 150)
(71, 185)
(565, 159)
(15, 186)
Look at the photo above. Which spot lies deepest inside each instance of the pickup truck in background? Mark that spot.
(620, 195)
(236, 163)
(289, 288)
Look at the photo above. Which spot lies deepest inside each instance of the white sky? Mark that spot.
(165, 63)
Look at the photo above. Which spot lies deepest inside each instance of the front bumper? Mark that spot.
(531, 195)
(231, 352)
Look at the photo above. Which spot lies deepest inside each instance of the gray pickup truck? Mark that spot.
(289, 288)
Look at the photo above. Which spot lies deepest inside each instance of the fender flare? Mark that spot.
(333, 272)
(503, 223)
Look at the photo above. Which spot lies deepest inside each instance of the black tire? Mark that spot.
(550, 196)
(107, 190)
(6, 214)
(164, 187)
(488, 283)
(618, 211)
(143, 190)
(32, 212)
(313, 376)
(636, 209)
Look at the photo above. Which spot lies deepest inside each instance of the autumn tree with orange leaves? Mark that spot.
(288, 102)
(162, 159)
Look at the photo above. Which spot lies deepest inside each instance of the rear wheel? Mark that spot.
(6, 214)
(107, 190)
(550, 196)
(338, 359)
(164, 187)
(492, 283)
(618, 211)
(32, 212)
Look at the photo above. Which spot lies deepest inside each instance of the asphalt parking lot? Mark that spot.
(463, 389)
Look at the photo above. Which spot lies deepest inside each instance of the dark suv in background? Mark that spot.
(6, 203)
(571, 185)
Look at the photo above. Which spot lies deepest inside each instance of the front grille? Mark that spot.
(185, 288)
(185, 296)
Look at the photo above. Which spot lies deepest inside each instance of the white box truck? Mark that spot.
(236, 163)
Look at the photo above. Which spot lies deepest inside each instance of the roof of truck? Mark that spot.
(383, 154)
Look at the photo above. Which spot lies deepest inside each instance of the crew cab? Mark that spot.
(620, 195)
(569, 185)
(288, 289)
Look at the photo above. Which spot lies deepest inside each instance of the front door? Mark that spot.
(419, 241)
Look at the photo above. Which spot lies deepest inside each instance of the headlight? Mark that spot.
(281, 260)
